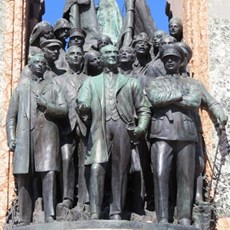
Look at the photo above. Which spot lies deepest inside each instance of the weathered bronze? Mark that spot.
(36, 105)
(173, 132)
(119, 99)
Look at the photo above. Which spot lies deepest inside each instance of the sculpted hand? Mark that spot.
(222, 119)
(12, 145)
(138, 132)
(41, 101)
(82, 108)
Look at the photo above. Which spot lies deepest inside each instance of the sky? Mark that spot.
(157, 7)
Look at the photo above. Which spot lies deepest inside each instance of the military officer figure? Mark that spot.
(173, 132)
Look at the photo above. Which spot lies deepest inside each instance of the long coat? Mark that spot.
(70, 84)
(46, 144)
(173, 112)
(130, 101)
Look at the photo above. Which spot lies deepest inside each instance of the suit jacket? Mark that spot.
(174, 100)
(70, 84)
(130, 100)
(46, 140)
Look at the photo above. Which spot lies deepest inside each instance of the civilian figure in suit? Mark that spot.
(173, 132)
(32, 133)
(119, 112)
(72, 129)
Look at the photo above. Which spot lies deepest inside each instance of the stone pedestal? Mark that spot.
(102, 224)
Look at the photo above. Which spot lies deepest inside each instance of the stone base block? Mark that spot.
(101, 224)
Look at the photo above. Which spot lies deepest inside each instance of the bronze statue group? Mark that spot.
(111, 128)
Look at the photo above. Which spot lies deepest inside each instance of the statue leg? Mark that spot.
(161, 157)
(25, 186)
(185, 167)
(68, 171)
(121, 156)
(49, 194)
(96, 189)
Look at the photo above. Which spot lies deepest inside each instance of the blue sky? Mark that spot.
(157, 7)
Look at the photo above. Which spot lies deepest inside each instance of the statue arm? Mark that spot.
(11, 119)
(191, 98)
(58, 109)
(213, 107)
(84, 98)
(142, 106)
(161, 96)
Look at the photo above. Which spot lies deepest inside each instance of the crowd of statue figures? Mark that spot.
(112, 127)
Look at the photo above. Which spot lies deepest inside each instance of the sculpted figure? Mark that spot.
(142, 47)
(82, 14)
(157, 35)
(41, 32)
(51, 50)
(141, 174)
(77, 37)
(72, 130)
(32, 133)
(103, 40)
(111, 100)
(155, 68)
(93, 65)
(61, 30)
(173, 132)
(176, 28)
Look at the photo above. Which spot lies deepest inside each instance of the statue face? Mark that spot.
(141, 47)
(94, 61)
(157, 37)
(51, 53)
(109, 55)
(48, 33)
(126, 54)
(38, 65)
(104, 41)
(175, 29)
(172, 64)
(74, 55)
(62, 33)
(166, 41)
(77, 40)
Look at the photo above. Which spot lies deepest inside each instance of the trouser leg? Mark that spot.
(185, 178)
(49, 193)
(161, 157)
(68, 171)
(120, 165)
(96, 188)
(25, 187)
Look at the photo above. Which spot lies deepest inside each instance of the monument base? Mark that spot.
(101, 224)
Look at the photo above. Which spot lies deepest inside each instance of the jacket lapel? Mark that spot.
(121, 81)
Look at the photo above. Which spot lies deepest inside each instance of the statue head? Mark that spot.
(166, 40)
(141, 44)
(172, 56)
(126, 55)
(42, 31)
(93, 65)
(74, 56)
(175, 28)
(109, 54)
(103, 41)
(37, 65)
(51, 49)
(77, 37)
(187, 54)
(157, 35)
(61, 29)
